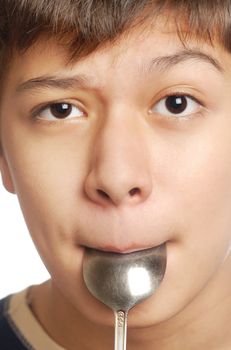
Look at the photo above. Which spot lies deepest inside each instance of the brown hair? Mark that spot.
(86, 24)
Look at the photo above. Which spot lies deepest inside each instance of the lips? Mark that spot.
(122, 250)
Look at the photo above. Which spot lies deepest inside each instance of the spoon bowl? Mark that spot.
(121, 281)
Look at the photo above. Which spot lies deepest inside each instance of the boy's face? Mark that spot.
(140, 157)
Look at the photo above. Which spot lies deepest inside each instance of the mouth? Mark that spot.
(126, 250)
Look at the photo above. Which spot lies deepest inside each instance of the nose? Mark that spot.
(119, 173)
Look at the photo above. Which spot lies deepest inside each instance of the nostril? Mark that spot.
(134, 191)
(103, 194)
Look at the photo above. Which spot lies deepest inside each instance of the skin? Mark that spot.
(75, 180)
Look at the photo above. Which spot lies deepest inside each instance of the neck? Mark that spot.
(203, 324)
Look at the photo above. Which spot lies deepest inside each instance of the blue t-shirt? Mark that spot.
(10, 337)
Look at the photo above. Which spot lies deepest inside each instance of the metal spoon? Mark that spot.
(121, 281)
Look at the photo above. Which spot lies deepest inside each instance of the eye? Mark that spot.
(60, 110)
(177, 106)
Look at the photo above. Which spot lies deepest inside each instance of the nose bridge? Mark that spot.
(117, 146)
(119, 164)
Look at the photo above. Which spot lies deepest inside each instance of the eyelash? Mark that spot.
(39, 109)
(36, 111)
(176, 118)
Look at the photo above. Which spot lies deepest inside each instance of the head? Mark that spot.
(115, 134)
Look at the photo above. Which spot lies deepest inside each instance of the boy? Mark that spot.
(116, 135)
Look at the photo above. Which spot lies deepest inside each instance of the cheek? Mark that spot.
(48, 182)
(204, 192)
(207, 192)
(197, 184)
(48, 174)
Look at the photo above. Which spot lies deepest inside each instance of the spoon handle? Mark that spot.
(120, 330)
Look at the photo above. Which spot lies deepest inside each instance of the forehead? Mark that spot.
(134, 52)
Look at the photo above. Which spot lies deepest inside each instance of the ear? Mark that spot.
(6, 176)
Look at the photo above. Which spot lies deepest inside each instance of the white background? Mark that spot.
(20, 264)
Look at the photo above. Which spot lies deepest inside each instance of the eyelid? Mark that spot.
(35, 111)
(179, 91)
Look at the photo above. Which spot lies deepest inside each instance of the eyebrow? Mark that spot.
(52, 81)
(164, 63)
(161, 63)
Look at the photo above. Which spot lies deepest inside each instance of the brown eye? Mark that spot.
(176, 106)
(60, 110)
